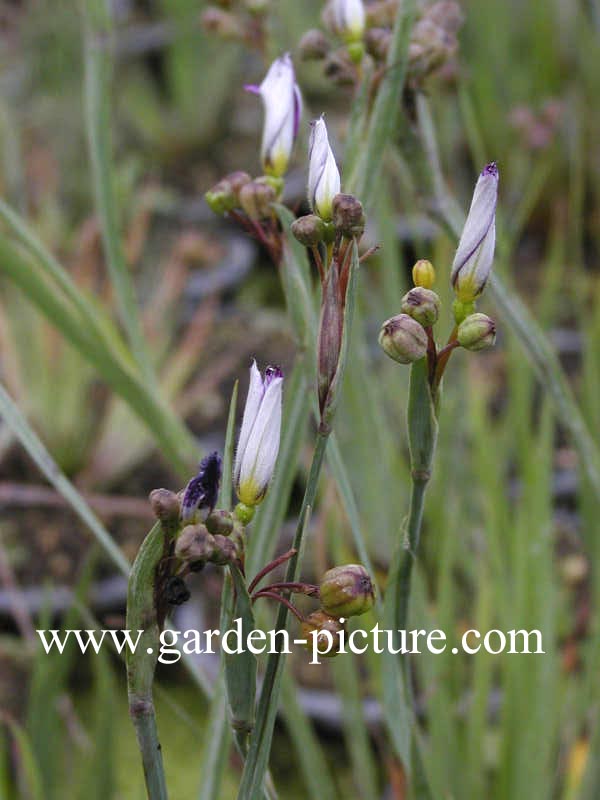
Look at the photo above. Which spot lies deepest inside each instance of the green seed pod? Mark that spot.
(319, 624)
(165, 505)
(348, 216)
(423, 305)
(403, 339)
(195, 544)
(346, 591)
(309, 230)
(256, 198)
(477, 332)
(225, 195)
(219, 521)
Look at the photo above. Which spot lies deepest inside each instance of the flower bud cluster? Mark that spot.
(408, 337)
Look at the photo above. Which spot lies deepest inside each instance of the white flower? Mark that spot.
(347, 18)
(282, 102)
(475, 254)
(258, 443)
(323, 174)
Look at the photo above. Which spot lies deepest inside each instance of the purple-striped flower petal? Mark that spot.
(258, 443)
(475, 253)
(323, 175)
(283, 107)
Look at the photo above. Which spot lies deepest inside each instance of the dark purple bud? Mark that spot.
(176, 592)
(203, 490)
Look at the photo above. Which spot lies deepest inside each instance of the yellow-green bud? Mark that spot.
(346, 591)
(314, 45)
(423, 305)
(195, 544)
(309, 230)
(256, 198)
(348, 216)
(219, 521)
(244, 513)
(319, 624)
(423, 273)
(477, 332)
(403, 339)
(461, 310)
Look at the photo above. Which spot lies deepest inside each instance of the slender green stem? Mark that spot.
(411, 547)
(260, 745)
(98, 67)
(144, 720)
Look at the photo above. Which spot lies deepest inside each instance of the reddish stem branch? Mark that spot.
(280, 599)
(309, 589)
(270, 567)
(443, 357)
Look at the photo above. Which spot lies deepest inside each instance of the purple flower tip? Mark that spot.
(490, 169)
(203, 490)
(271, 373)
(252, 88)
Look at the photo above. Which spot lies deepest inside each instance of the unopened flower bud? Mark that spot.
(348, 216)
(346, 591)
(282, 104)
(382, 13)
(165, 506)
(477, 332)
(345, 18)
(258, 443)
(176, 592)
(225, 551)
(403, 339)
(225, 195)
(323, 174)
(326, 629)
(475, 253)
(309, 230)
(256, 198)
(422, 305)
(423, 273)
(377, 42)
(195, 544)
(219, 521)
(314, 45)
(222, 23)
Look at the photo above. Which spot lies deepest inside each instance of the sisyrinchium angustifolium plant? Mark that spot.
(375, 50)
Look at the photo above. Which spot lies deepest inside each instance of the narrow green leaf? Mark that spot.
(98, 69)
(308, 750)
(27, 765)
(142, 615)
(30, 441)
